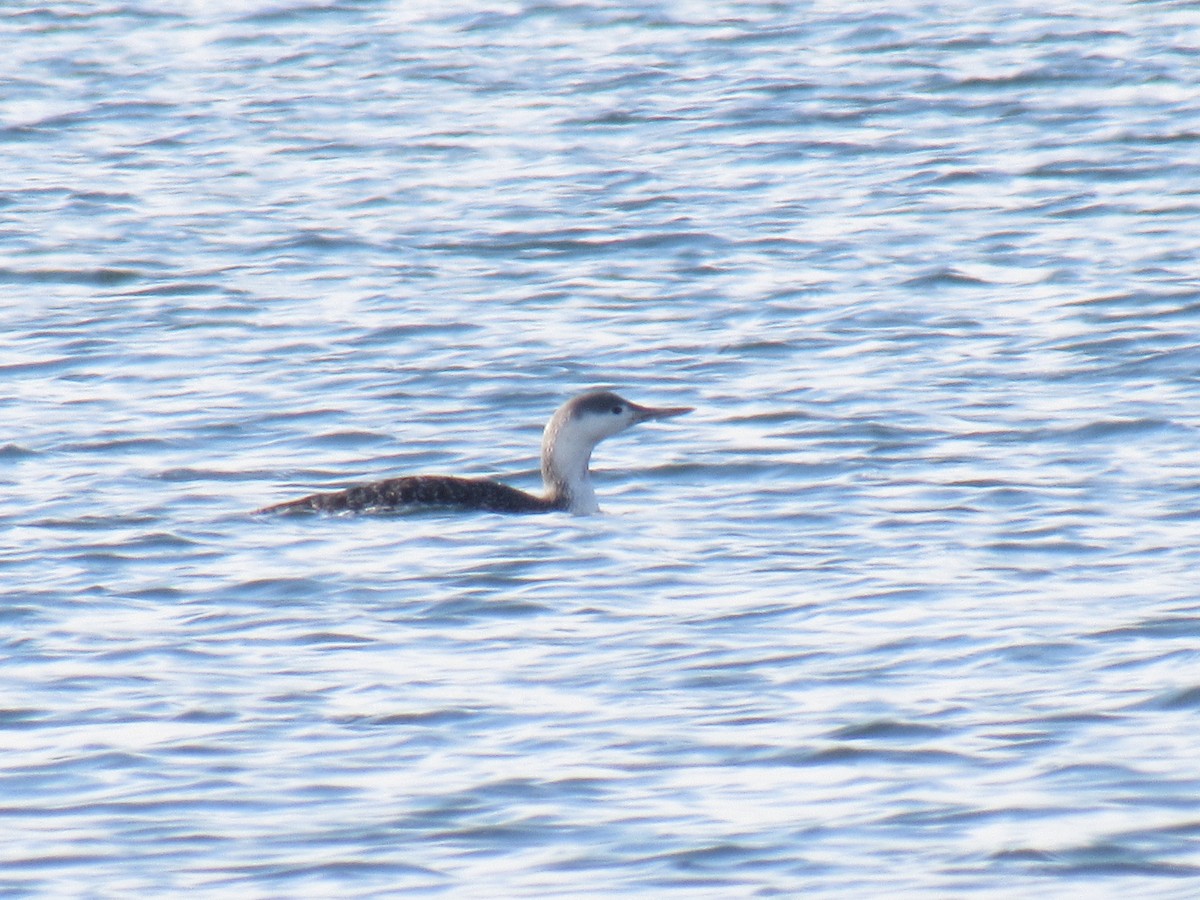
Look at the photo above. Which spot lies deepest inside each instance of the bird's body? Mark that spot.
(567, 444)
(421, 490)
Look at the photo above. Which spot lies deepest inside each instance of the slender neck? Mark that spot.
(565, 458)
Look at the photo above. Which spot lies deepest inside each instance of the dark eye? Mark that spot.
(617, 410)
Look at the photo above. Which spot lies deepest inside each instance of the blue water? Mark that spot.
(908, 606)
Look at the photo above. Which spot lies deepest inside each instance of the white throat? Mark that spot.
(566, 453)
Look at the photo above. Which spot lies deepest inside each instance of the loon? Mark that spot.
(567, 443)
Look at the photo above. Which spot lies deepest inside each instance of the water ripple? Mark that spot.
(915, 583)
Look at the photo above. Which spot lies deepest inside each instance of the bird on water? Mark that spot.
(567, 443)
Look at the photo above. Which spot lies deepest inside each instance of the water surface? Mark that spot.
(908, 606)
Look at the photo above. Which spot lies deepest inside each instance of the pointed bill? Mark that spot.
(649, 413)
